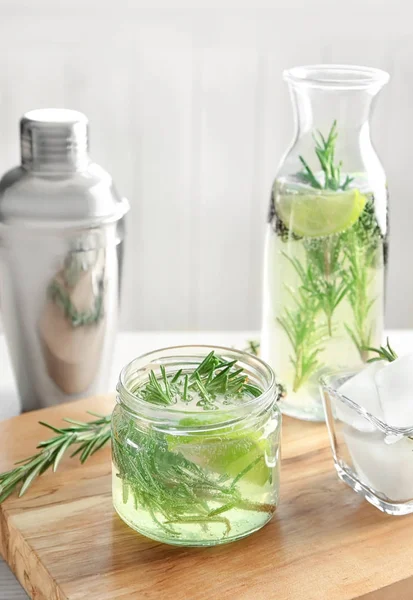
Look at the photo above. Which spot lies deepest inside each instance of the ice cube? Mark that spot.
(362, 390)
(387, 469)
(395, 386)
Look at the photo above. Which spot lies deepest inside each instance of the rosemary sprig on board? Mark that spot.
(88, 437)
(325, 151)
(214, 375)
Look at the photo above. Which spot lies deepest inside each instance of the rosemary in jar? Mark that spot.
(196, 445)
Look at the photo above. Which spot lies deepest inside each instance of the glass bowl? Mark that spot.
(372, 457)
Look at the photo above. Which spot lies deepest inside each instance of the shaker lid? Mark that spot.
(54, 139)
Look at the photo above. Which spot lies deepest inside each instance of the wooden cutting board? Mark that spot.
(64, 541)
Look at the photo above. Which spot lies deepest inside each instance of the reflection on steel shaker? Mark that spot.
(61, 229)
(72, 321)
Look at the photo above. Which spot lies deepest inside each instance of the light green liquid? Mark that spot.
(197, 488)
(335, 346)
(227, 527)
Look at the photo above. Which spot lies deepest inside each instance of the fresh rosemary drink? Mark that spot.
(326, 243)
(196, 445)
(324, 300)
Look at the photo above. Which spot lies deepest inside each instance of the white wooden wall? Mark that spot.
(189, 113)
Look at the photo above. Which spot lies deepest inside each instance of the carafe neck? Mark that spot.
(325, 94)
(317, 110)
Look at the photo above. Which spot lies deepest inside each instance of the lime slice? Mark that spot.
(229, 451)
(318, 215)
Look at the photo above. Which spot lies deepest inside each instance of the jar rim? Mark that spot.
(168, 414)
(336, 76)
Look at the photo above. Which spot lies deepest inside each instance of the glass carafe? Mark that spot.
(326, 245)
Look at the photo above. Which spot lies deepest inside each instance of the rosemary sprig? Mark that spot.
(325, 274)
(358, 286)
(214, 375)
(155, 393)
(89, 438)
(383, 353)
(253, 347)
(173, 489)
(299, 323)
(170, 486)
(361, 243)
(325, 150)
(336, 267)
(305, 337)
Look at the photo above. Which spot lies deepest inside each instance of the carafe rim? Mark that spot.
(336, 76)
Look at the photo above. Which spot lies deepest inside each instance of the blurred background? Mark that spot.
(189, 113)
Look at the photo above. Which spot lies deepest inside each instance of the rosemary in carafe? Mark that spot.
(325, 250)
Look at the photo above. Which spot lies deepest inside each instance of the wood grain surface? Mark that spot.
(64, 541)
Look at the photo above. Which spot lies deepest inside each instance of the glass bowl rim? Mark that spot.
(336, 76)
(168, 415)
(376, 421)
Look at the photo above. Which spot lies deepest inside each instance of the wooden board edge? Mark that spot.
(400, 590)
(25, 563)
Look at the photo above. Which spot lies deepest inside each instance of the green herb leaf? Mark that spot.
(383, 353)
(325, 150)
(213, 376)
(89, 436)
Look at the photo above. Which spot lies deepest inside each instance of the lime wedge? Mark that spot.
(231, 452)
(318, 215)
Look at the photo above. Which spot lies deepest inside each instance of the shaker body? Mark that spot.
(61, 238)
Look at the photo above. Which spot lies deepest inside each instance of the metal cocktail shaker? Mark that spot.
(61, 240)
